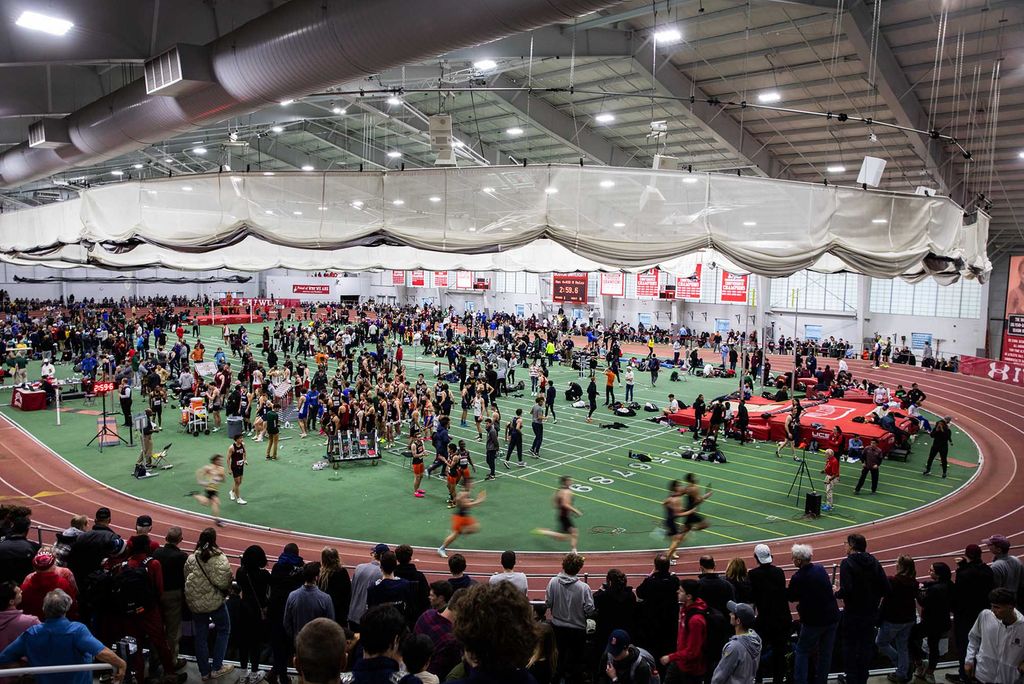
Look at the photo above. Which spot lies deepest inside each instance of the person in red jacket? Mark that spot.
(686, 665)
(831, 477)
(47, 577)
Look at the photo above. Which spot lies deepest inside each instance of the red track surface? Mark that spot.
(992, 503)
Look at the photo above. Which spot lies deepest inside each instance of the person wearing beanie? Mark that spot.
(47, 577)
(742, 653)
(974, 581)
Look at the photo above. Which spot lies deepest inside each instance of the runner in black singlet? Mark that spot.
(565, 510)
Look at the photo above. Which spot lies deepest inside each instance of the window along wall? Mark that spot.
(807, 291)
(962, 299)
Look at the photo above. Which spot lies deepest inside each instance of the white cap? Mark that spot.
(762, 553)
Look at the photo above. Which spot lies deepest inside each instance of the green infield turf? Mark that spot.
(620, 497)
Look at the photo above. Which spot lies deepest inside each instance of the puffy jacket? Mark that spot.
(205, 593)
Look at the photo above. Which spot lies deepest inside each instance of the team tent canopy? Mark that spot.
(542, 218)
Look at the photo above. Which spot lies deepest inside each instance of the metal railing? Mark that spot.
(54, 669)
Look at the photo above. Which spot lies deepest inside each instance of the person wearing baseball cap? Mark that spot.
(1006, 568)
(974, 581)
(46, 577)
(742, 652)
(774, 621)
(624, 663)
(364, 577)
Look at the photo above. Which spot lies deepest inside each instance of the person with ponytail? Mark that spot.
(207, 584)
(335, 582)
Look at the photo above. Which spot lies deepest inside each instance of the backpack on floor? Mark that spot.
(579, 404)
(635, 405)
(674, 377)
(650, 406)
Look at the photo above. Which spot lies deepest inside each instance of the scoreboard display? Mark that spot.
(569, 288)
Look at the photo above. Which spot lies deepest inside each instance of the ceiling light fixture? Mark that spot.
(879, 220)
(186, 188)
(136, 166)
(488, 189)
(670, 35)
(690, 179)
(394, 101)
(394, 154)
(117, 172)
(357, 204)
(551, 191)
(750, 223)
(1021, 155)
(398, 202)
(485, 65)
(277, 129)
(269, 211)
(199, 150)
(604, 117)
(607, 184)
(515, 130)
(297, 213)
(168, 160)
(619, 224)
(769, 97)
(435, 198)
(44, 23)
(268, 173)
(285, 103)
(321, 208)
(307, 167)
(338, 110)
(836, 168)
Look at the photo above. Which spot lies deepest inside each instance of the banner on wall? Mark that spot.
(689, 288)
(304, 288)
(398, 278)
(569, 287)
(647, 284)
(613, 284)
(419, 278)
(464, 280)
(1000, 371)
(734, 288)
(812, 331)
(918, 340)
(1013, 326)
(440, 278)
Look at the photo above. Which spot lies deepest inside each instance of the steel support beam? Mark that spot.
(551, 41)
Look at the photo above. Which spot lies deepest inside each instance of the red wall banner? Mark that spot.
(300, 288)
(613, 284)
(647, 283)
(418, 279)
(398, 278)
(1000, 371)
(689, 288)
(569, 287)
(440, 278)
(464, 280)
(734, 288)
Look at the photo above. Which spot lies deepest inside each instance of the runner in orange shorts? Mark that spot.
(417, 449)
(462, 521)
(452, 472)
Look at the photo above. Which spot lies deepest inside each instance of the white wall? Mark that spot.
(182, 286)
(958, 336)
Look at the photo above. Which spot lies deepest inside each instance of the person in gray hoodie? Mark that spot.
(742, 652)
(571, 603)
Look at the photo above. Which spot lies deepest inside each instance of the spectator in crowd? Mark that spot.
(306, 603)
(457, 568)
(1007, 570)
(871, 456)
(285, 577)
(658, 609)
(736, 575)
(774, 621)
(508, 572)
(624, 663)
(382, 629)
(899, 614)
(493, 659)
(320, 655)
(335, 582)
(12, 620)
(420, 586)
(62, 548)
(144, 526)
(862, 584)
(58, 641)
(253, 582)
(416, 651)
(364, 577)
(141, 616)
(544, 661)
(714, 589)
(811, 589)
(995, 648)
(172, 563)
(615, 603)
(936, 603)
(207, 584)
(391, 590)
(571, 603)
(974, 582)
(687, 664)
(45, 578)
(17, 552)
(742, 653)
(436, 623)
(89, 551)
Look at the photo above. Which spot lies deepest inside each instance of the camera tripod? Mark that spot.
(798, 479)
